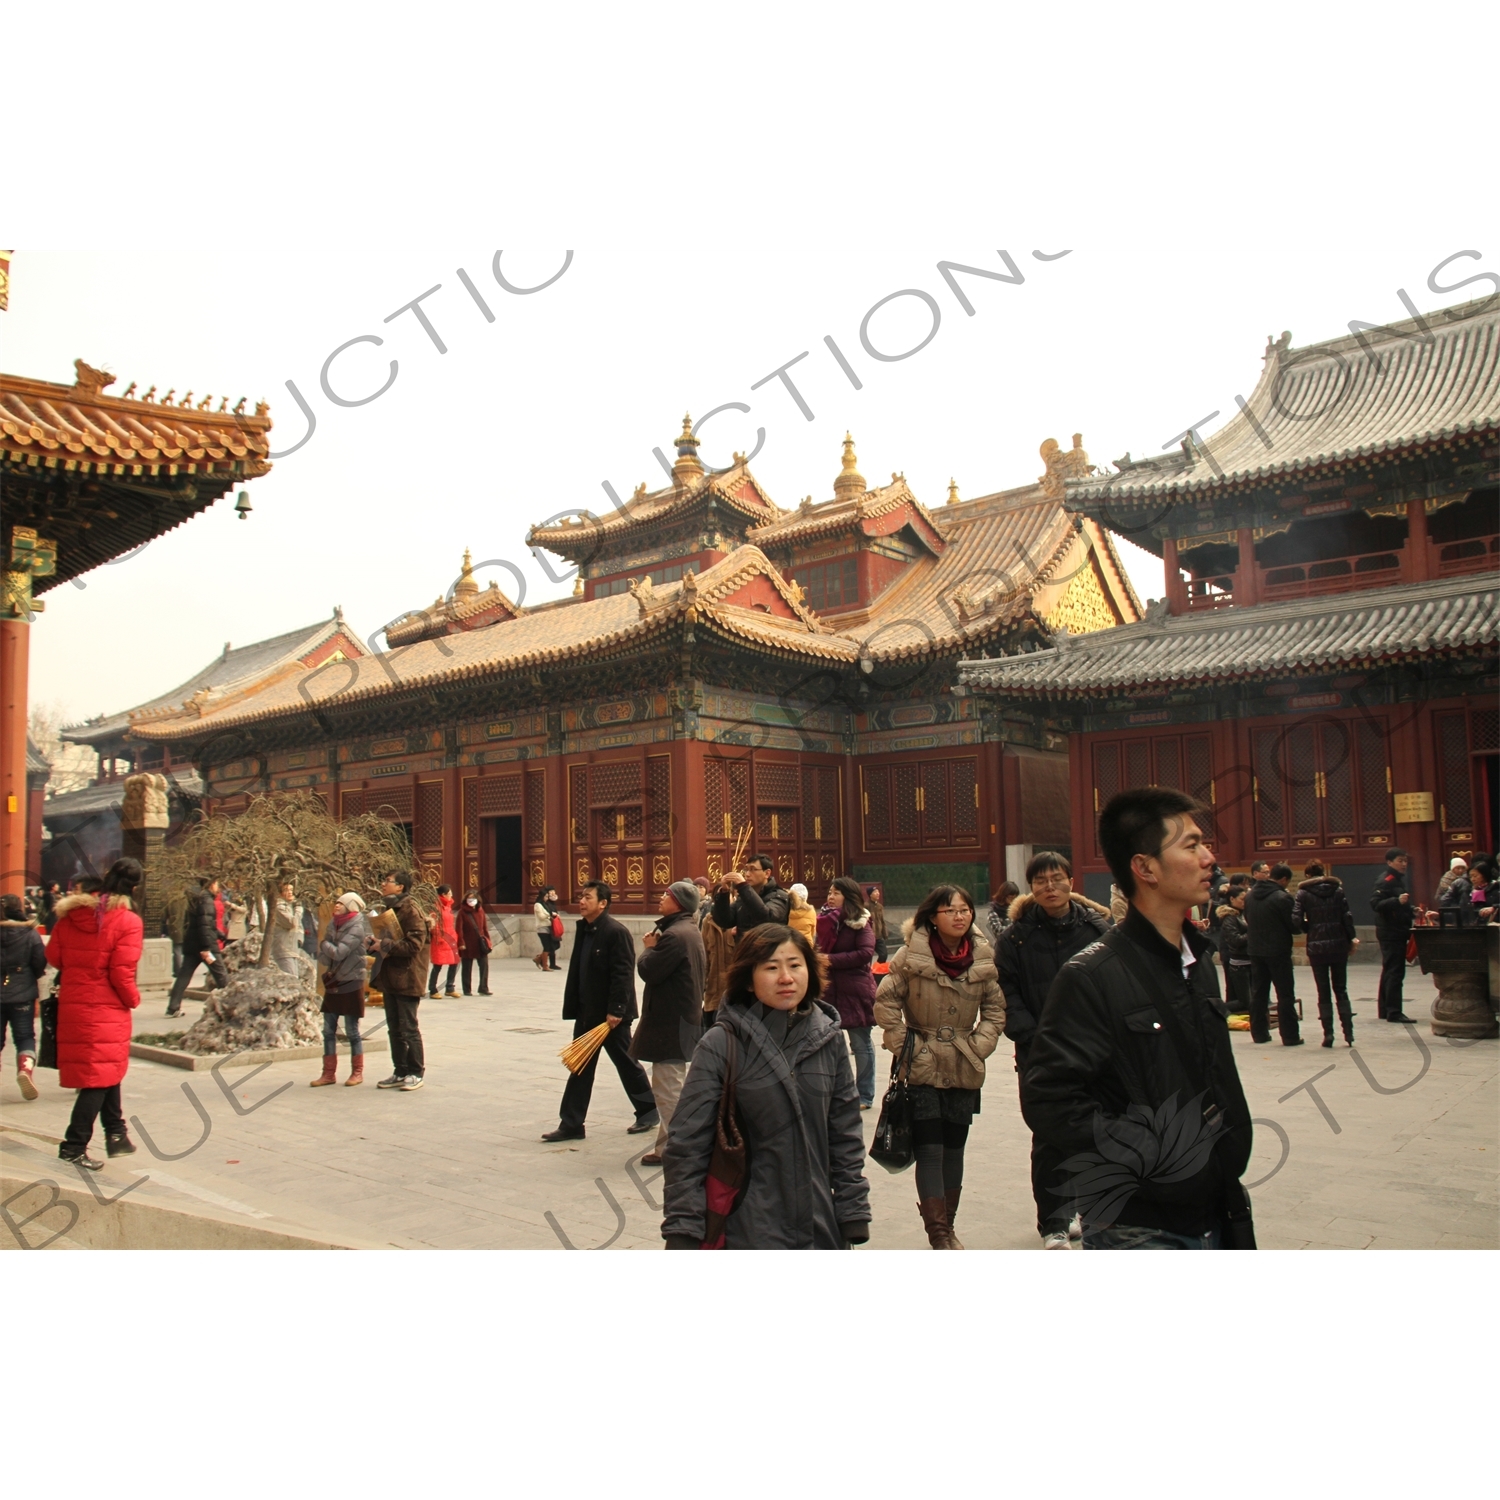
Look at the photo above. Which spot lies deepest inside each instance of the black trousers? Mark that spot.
(406, 1040)
(1392, 974)
(1052, 1212)
(580, 1086)
(87, 1108)
(185, 972)
(483, 959)
(1332, 979)
(1264, 972)
(1237, 984)
(435, 974)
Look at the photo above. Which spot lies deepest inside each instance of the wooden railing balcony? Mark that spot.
(1342, 575)
(1330, 575)
(1477, 555)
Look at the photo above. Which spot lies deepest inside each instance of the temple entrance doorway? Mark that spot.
(506, 867)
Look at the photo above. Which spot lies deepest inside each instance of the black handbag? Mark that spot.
(46, 1052)
(892, 1146)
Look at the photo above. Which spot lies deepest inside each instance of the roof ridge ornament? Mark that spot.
(688, 466)
(953, 492)
(466, 587)
(850, 482)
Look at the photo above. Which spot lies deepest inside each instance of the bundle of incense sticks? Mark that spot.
(739, 847)
(578, 1052)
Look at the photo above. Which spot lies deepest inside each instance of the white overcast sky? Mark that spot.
(732, 191)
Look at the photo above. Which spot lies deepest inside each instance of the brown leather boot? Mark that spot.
(953, 1195)
(330, 1065)
(934, 1213)
(356, 1071)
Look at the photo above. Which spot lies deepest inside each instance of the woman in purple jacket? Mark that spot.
(847, 936)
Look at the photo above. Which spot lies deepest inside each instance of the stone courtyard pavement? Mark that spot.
(1394, 1145)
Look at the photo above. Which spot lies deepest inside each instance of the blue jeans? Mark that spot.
(18, 1016)
(864, 1062)
(1129, 1237)
(351, 1030)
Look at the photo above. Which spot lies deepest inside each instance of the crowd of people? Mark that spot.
(757, 1013)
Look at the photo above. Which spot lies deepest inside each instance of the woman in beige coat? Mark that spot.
(943, 986)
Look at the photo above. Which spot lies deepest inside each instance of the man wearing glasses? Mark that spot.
(1046, 929)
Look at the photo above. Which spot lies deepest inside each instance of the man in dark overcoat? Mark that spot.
(672, 969)
(600, 988)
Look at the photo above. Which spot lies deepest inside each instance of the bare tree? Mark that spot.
(73, 766)
(289, 838)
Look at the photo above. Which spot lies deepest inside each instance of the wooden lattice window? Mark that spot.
(820, 805)
(965, 800)
(1169, 763)
(1298, 754)
(353, 804)
(1137, 764)
(394, 803)
(536, 807)
(499, 796)
(1270, 811)
(614, 781)
(578, 806)
(429, 820)
(659, 795)
(1198, 755)
(1484, 729)
(877, 806)
(471, 812)
(1457, 810)
(932, 803)
(1374, 781)
(1339, 821)
(776, 783)
(904, 815)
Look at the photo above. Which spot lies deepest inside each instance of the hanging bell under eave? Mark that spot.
(242, 505)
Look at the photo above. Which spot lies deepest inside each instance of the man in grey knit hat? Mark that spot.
(671, 969)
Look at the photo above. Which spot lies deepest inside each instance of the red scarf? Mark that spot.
(954, 965)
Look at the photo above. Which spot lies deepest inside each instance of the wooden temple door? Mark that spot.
(620, 827)
(726, 803)
(820, 829)
(778, 805)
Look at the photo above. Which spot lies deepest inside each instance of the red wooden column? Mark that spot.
(993, 809)
(1246, 583)
(689, 817)
(15, 651)
(1416, 562)
(853, 830)
(1176, 589)
(559, 837)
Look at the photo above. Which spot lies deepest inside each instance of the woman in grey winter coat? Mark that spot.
(345, 944)
(286, 930)
(797, 1108)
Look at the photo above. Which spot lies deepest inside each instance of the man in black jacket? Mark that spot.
(1046, 929)
(1391, 901)
(672, 969)
(1268, 915)
(203, 939)
(600, 987)
(749, 896)
(1131, 1076)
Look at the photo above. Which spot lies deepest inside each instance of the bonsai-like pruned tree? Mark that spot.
(290, 837)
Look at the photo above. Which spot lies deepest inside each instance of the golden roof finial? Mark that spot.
(850, 481)
(952, 492)
(688, 467)
(466, 587)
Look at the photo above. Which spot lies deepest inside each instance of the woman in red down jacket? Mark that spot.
(847, 936)
(444, 943)
(96, 943)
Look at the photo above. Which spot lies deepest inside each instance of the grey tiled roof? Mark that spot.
(1334, 401)
(1379, 625)
(234, 665)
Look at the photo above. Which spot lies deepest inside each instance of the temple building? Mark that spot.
(83, 826)
(726, 672)
(1322, 669)
(88, 478)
